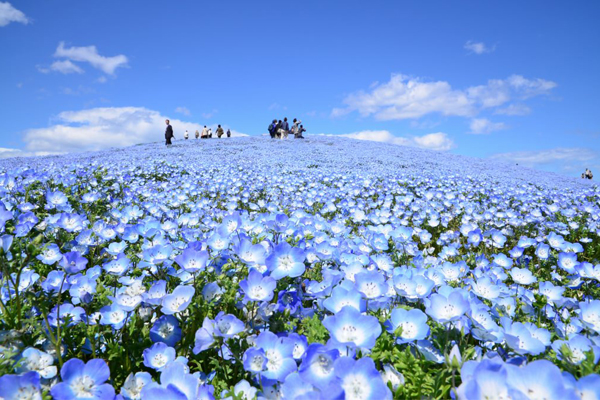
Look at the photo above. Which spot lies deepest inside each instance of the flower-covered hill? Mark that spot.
(323, 268)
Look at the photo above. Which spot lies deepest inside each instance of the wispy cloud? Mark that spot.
(89, 54)
(478, 47)
(514, 109)
(182, 110)
(66, 67)
(483, 126)
(210, 114)
(405, 97)
(10, 14)
(434, 141)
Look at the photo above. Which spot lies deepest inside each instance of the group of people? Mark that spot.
(587, 174)
(205, 134)
(281, 129)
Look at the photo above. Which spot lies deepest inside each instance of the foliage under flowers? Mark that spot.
(327, 268)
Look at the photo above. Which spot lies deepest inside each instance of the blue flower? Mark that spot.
(317, 365)
(227, 325)
(16, 387)
(522, 276)
(371, 284)
(350, 327)
(38, 361)
(445, 309)
(158, 356)
(286, 261)
(132, 388)
(258, 288)
(413, 324)
(83, 380)
(113, 315)
(177, 301)
(255, 360)
(279, 353)
(50, 255)
(359, 379)
(205, 336)
(166, 330)
(192, 260)
(341, 297)
(590, 314)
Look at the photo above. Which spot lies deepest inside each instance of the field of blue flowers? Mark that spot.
(320, 269)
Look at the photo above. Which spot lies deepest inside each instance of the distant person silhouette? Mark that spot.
(228, 133)
(168, 133)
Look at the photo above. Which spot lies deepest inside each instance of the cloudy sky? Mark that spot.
(512, 80)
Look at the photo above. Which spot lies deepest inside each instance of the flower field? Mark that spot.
(320, 269)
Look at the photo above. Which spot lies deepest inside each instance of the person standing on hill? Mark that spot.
(168, 133)
(220, 132)
(197, 134)
(296, 128)
(273, 129)
(228, 132)
(286, 128)
(204, 134)
(186, 135)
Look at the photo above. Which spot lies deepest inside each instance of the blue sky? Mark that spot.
(512, 80)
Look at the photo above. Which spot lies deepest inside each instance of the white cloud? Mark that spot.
(404, 97)
(9, 153)
(561, 154)
(478, 47)
(105, 127)
(434, 141)
(182, 110)
(209, 115)
(102, 79)
(90, 55)
(514, 109)
(65, 67)
(10, 14)
(483, 125)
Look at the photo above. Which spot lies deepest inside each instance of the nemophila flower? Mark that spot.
(484, 326)
(447, 308)
(407, 325)
(392, 377)
(539, 379)
(590, 315)
(65, 312)
(503, 261)
(178, 300)
(250, 253)
(33, 359)
(243, 391)
(71, 222)
(590, 271)
(82, 290)
(132, 388)
(227, 325)
(341, 297)
(119, 266)
(83, 380)
(217, 242)
(192, 260)
(371, 284)
(556, 241)
(360, 380)
(175, 383)
(413, 287)
(279, 352)
(50, 255)
(317, 366)
(258, 287)
(158, 356)
(54, 280)
(289, 300)
(255, 360)
(574, 350)
(286, 260)
(350, 327)
(524, 338)
(212, 292)
(294, 387)
(17, 387)
(155, 294)
(486, 288)
(113, 315)
(567, 262)
(553, 293)
(522, 276)
(166, 330)
(205, 336)
(56, 199)
(72, 262)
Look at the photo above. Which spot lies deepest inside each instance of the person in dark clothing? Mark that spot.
(168, 133)
(300, 130)
(273, 129)
(286, 129)
(228, 132)
(279, 130)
